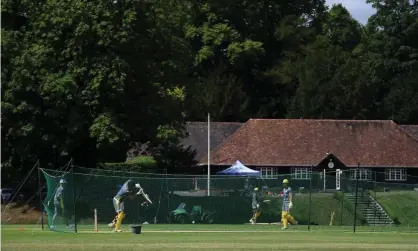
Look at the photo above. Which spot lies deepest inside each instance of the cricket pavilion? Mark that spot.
(381, 150)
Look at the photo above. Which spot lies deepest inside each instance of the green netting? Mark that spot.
(61, 215)
(182, 199)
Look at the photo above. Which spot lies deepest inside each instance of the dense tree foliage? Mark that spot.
(82, 79)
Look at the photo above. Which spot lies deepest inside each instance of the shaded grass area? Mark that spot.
(401, 206)
(232, 237)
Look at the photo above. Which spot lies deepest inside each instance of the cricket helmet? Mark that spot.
(285, 181)
(130, 184)
(62, 181)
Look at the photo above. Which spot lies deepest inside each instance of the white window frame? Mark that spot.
(268, 172)
(301, 173)
(396, 174)
(364, 174)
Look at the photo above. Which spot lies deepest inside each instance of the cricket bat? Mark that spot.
(146, 197)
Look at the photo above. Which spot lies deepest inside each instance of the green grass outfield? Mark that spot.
(208, 237)
(400, 205)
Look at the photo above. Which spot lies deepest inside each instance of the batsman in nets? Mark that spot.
(128, 189)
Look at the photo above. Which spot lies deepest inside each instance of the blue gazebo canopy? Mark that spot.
(238, 169)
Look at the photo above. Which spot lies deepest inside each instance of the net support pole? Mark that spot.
(310, 200)
(96, 227)
(375, 198)
(355, 203)
(208, 154)
(74, 201)
(41, 206)
(342, 208)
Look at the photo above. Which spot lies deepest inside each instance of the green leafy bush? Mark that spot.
(139, 163)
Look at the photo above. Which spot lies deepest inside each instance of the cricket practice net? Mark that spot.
(85, 200)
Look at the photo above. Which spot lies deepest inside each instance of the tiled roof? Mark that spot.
(411, 129)
(284, 142)
(198, 135)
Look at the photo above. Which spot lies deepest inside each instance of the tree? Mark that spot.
(218, 91)
(355, 73)
(89, 77)
(241, 37)
(341, 29)
(393, 48)
(82, 79)
(311, 70)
